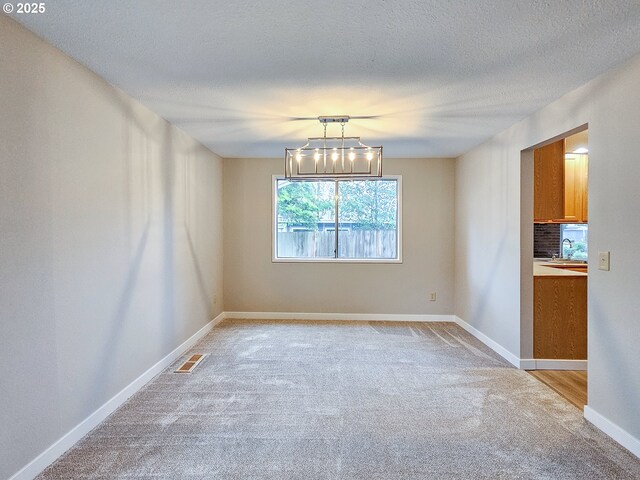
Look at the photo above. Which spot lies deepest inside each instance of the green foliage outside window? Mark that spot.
(304, 203)
(370, 205)
(367, 205)
(577, 252)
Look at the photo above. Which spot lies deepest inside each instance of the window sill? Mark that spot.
(339, 260)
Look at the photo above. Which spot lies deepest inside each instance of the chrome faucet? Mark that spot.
(570, 254)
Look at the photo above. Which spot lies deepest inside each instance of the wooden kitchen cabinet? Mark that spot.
(560, 317)
(560, 185)
(575, 189)
(548, 182)
(585, 188)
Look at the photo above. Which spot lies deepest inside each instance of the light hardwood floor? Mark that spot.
(571, 384)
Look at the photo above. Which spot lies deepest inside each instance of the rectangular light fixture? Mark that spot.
(333, 157)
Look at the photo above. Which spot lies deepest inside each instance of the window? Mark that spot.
(578, 234)
(337, 220)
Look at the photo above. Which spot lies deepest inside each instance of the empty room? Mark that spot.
(320, 240)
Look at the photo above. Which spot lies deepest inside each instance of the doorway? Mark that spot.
(554, 268)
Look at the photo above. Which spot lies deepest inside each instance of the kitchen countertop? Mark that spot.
(543, 269)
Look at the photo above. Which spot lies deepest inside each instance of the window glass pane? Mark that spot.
(306, 219)
(577, 234)
(368, 218)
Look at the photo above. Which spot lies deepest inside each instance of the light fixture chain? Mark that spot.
(324, 149)
(342, 146)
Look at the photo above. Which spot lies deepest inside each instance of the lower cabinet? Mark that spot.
(560, 317)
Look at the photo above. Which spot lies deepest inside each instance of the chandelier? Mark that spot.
(333, 157)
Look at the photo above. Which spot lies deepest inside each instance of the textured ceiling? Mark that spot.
(435, 77)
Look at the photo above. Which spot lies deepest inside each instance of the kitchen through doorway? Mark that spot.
(554, 261)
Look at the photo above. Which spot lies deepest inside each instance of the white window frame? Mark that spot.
(274, 231)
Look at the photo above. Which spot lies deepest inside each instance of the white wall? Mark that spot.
(487, 282)
(253, 283)
(111, 242)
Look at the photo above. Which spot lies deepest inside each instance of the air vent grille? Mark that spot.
(191, 363)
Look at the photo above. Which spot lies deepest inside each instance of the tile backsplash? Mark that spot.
(546, 240)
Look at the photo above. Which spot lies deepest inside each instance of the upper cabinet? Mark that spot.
(560, 185)
(575, 188)
(548, 182)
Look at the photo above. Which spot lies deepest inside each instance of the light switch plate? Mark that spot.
(603, 260)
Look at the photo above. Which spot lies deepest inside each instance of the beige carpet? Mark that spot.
(329, 400)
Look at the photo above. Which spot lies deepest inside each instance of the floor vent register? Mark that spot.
(191, 364)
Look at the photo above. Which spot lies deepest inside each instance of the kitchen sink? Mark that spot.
(573, 266)
(565, 264)
(576, 263)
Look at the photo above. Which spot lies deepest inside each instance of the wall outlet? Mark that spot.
(603, 260)
(432, 297)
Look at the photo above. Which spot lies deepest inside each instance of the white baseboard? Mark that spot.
(46, 458)
(367, 317)
(527, 364)
(552, 364)
(522, 363)
(621, 436)
(493, 345)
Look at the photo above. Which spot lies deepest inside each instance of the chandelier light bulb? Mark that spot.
(352, 155)
(316, 156)
(334, 155)
(298, 157)
(369, 156)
